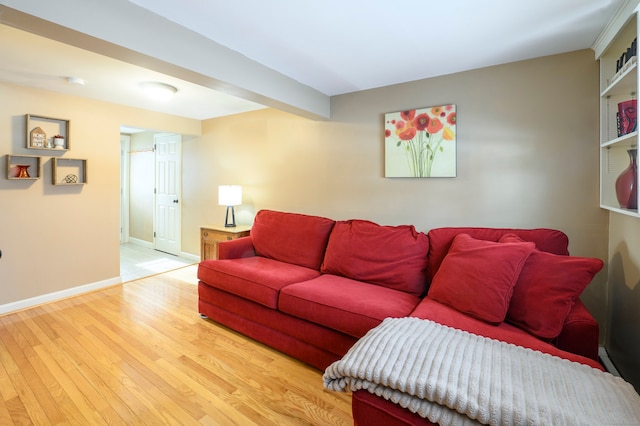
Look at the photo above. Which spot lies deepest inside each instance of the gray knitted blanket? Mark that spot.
(452, 377)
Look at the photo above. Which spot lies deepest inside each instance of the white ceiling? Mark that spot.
(332, 46)
(34, 61)
(338, 46)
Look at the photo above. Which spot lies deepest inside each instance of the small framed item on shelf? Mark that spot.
(627, 117)
(68, 171)
(47, 133)
(37, 138)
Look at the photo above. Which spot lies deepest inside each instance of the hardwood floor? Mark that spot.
(139, 353)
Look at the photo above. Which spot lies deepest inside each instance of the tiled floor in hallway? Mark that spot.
(137, 261)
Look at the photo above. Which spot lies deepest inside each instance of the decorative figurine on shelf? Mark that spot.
(23, 170)
(58, 142)
(71, 178)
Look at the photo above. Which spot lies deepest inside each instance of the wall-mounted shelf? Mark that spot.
(29, 163)
(40, 132)
(68, 171)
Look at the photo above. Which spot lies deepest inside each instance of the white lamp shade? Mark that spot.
(229, 195)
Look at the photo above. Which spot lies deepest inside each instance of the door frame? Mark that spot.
(125, 147)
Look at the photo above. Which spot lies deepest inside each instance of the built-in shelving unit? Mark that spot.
(618, 83)
(68, 171)
(31, 164)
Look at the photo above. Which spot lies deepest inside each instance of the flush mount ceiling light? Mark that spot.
(158, 91)
(76, 81)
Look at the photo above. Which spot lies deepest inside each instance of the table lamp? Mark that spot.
(230, 196)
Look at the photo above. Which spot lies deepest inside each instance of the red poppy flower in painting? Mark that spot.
(451, 119)
(387, 133)
(406, 132)
(421, 121)
(434, 126)
(408, 115)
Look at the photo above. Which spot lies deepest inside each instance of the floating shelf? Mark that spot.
(40, 132)
(14, 162)
(68, 171)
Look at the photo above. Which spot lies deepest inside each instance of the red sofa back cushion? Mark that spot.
(291, 237)
(389, 256)
(440, 239)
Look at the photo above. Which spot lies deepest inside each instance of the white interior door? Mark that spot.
(125, 141)
(167, 218)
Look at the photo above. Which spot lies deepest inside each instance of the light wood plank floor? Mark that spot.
(138, 353)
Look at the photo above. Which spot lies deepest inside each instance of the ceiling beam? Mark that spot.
(122, 30)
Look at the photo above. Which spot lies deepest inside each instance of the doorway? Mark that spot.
(150, 204)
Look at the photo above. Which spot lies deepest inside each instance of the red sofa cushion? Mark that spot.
(255, 278)
(580, 332)
(369, 409)
(291, 237)
(547, 290)
(389, 256)
(477, 277)
(440, 239)
(445, 315)
(323, 301)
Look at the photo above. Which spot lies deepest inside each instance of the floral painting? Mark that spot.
(421, 142)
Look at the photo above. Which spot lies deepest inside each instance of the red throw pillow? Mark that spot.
(477, 277)
(548, 287)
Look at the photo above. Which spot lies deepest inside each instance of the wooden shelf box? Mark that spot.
(68, 171)
(33, 162)
(40, 132)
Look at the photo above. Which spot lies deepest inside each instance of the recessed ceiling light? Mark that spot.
(158, 91)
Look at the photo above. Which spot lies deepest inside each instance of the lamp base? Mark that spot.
(233, 218)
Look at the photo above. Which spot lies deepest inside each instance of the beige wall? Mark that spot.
(527, 157)
(623, 340)
(141, 185)
(54, 238)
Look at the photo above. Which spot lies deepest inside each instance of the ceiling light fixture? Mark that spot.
(75, 80)
(158, 91)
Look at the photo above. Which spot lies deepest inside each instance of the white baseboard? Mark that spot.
(58, 295)
(147, 244)
(141, 243)
(606, 361)
(190, 256)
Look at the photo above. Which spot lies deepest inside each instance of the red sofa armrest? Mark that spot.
(580, 333)
(235, 249)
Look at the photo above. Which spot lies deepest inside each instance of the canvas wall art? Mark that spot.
(421, 142)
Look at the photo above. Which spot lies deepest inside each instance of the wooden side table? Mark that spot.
(210, 236)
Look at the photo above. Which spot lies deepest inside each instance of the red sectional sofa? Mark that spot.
(311, 287)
